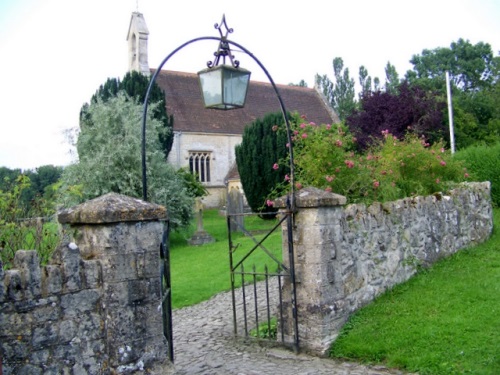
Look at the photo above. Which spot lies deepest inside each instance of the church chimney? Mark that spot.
(138, 44)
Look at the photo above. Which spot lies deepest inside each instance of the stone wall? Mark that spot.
(94, 308)
(345, 256)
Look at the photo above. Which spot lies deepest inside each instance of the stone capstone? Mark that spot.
(112, 208)
(312, 197)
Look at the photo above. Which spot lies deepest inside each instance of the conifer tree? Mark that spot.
(258, 158)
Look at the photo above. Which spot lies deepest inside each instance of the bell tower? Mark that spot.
(138, 44)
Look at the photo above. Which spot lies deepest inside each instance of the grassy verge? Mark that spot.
(445, 320)
(199, 272)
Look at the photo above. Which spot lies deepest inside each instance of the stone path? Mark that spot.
(204, 344)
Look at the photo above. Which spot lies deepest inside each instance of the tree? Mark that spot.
(340, 95)
(411, 109)
(391, 79)
(365, 81)
(302, 83)
(258, 157)
(135, 85)
(109, 152)
(474, 74)
(471, 67)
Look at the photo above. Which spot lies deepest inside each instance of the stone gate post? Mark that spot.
(124, 234)
(317, 219)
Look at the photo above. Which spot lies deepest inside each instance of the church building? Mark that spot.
(205, 139)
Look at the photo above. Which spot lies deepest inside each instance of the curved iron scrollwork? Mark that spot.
(224, 49)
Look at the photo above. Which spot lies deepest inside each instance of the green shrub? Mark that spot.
(483, 162)
(18, 230)
(392, 168)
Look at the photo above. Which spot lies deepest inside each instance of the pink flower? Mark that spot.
(275, 166)
(287, 177)
(329, 178)
(376, 184)
(369, 157)
(328, 126)
(304, 135)
(303, 125)
(338, 143)
(385, 133)
(298, 185)
(288, 145)
(466, 175)
(295, 132)
(270, 203)
(349, 163)
(328, 189)
(303, 117)
(383, 173)
(442, 162)
(442, 149)
(312, 123)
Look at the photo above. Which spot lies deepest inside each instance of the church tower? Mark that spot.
(138, 44)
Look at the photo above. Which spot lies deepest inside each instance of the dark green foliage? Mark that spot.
(262, 146)
(135, 85)
(483, 163)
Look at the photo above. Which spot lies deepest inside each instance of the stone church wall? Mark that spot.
(221, 147)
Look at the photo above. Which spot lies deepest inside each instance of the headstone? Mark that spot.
(235, 209)
(200, 237)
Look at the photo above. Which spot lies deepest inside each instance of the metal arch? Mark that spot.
(282, 106)
(291, 197)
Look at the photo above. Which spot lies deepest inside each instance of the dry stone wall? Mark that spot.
(345, 256)
(94, 309)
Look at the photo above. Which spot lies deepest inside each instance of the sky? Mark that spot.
(56, 53)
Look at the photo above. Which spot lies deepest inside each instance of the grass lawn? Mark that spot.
(199, 272)
(445, 320)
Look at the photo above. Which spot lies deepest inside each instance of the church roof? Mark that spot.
(185, 103)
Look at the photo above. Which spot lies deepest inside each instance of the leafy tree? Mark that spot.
(391, 79)
(471, 67)
(341, 94)
(258, 158)
(302, 83)
(365, 81)
(411, 109)
(135, 85)
(474, 74)
(109, 151)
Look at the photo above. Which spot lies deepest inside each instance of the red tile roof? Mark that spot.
(184, 102)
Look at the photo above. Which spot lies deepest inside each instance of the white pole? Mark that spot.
(450, 113)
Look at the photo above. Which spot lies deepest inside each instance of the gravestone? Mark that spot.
(200, 237)
(235, 209)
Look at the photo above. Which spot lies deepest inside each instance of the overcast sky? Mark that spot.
(56, 53)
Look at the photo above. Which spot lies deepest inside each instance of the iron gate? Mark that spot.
(263, 298)
(166, 290)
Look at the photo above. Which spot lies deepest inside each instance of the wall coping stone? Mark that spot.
(310, 197)
(112, 208)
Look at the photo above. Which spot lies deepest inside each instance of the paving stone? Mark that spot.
(204, 344)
